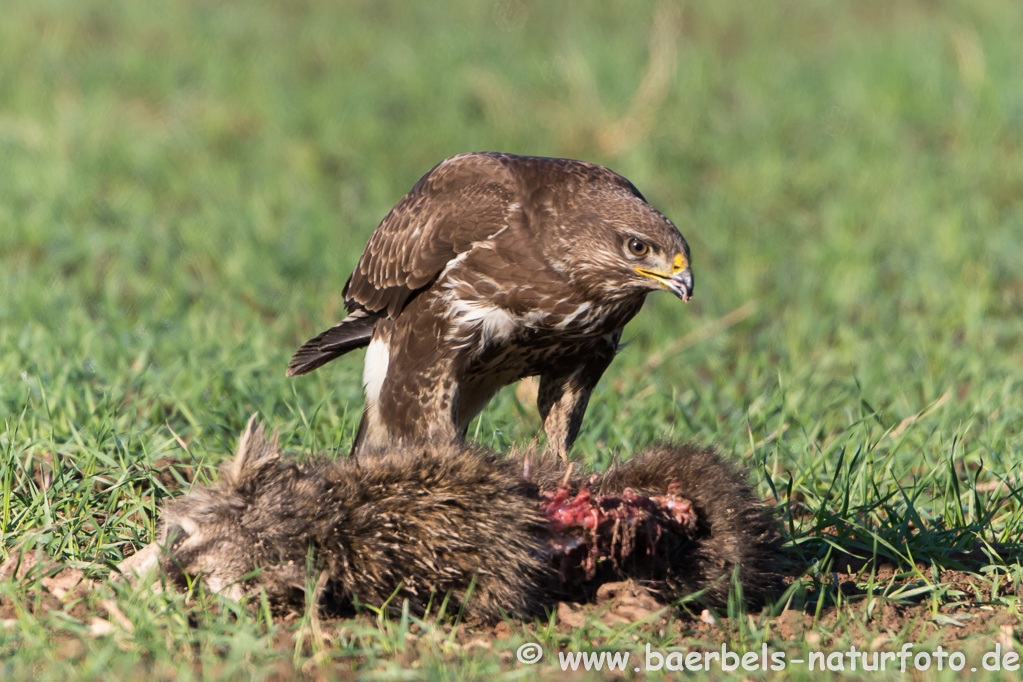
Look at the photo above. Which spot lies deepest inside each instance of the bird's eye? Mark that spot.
(638, 248)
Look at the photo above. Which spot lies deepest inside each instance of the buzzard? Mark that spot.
(497, 267)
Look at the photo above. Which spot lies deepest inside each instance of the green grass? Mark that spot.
(185, 187)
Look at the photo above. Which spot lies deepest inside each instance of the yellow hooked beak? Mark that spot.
(679, 281)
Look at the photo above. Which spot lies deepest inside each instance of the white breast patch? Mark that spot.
(496, 324)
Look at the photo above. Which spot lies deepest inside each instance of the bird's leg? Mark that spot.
(564, 395)
(411, 392)
(562, 403)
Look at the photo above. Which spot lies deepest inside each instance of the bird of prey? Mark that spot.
(497, 267)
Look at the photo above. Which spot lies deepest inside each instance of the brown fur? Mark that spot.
(424, 526)
(419, 527)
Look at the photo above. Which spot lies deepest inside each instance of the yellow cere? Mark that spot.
(678, 264)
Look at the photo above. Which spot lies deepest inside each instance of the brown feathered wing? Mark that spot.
(461, 201)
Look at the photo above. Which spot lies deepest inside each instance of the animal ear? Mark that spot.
(254, 454)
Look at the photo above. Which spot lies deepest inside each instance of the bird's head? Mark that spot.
(659, 265)
(600, 233)
(633, 253)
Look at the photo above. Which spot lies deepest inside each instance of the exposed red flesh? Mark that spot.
(588, 529)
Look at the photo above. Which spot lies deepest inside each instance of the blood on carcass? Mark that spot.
(588, 528)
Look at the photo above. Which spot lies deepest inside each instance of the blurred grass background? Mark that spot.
(185, 187)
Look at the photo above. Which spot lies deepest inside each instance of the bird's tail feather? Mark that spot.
(355, 331)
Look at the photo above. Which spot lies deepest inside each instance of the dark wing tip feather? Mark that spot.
(355, 331)
(307, 358)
